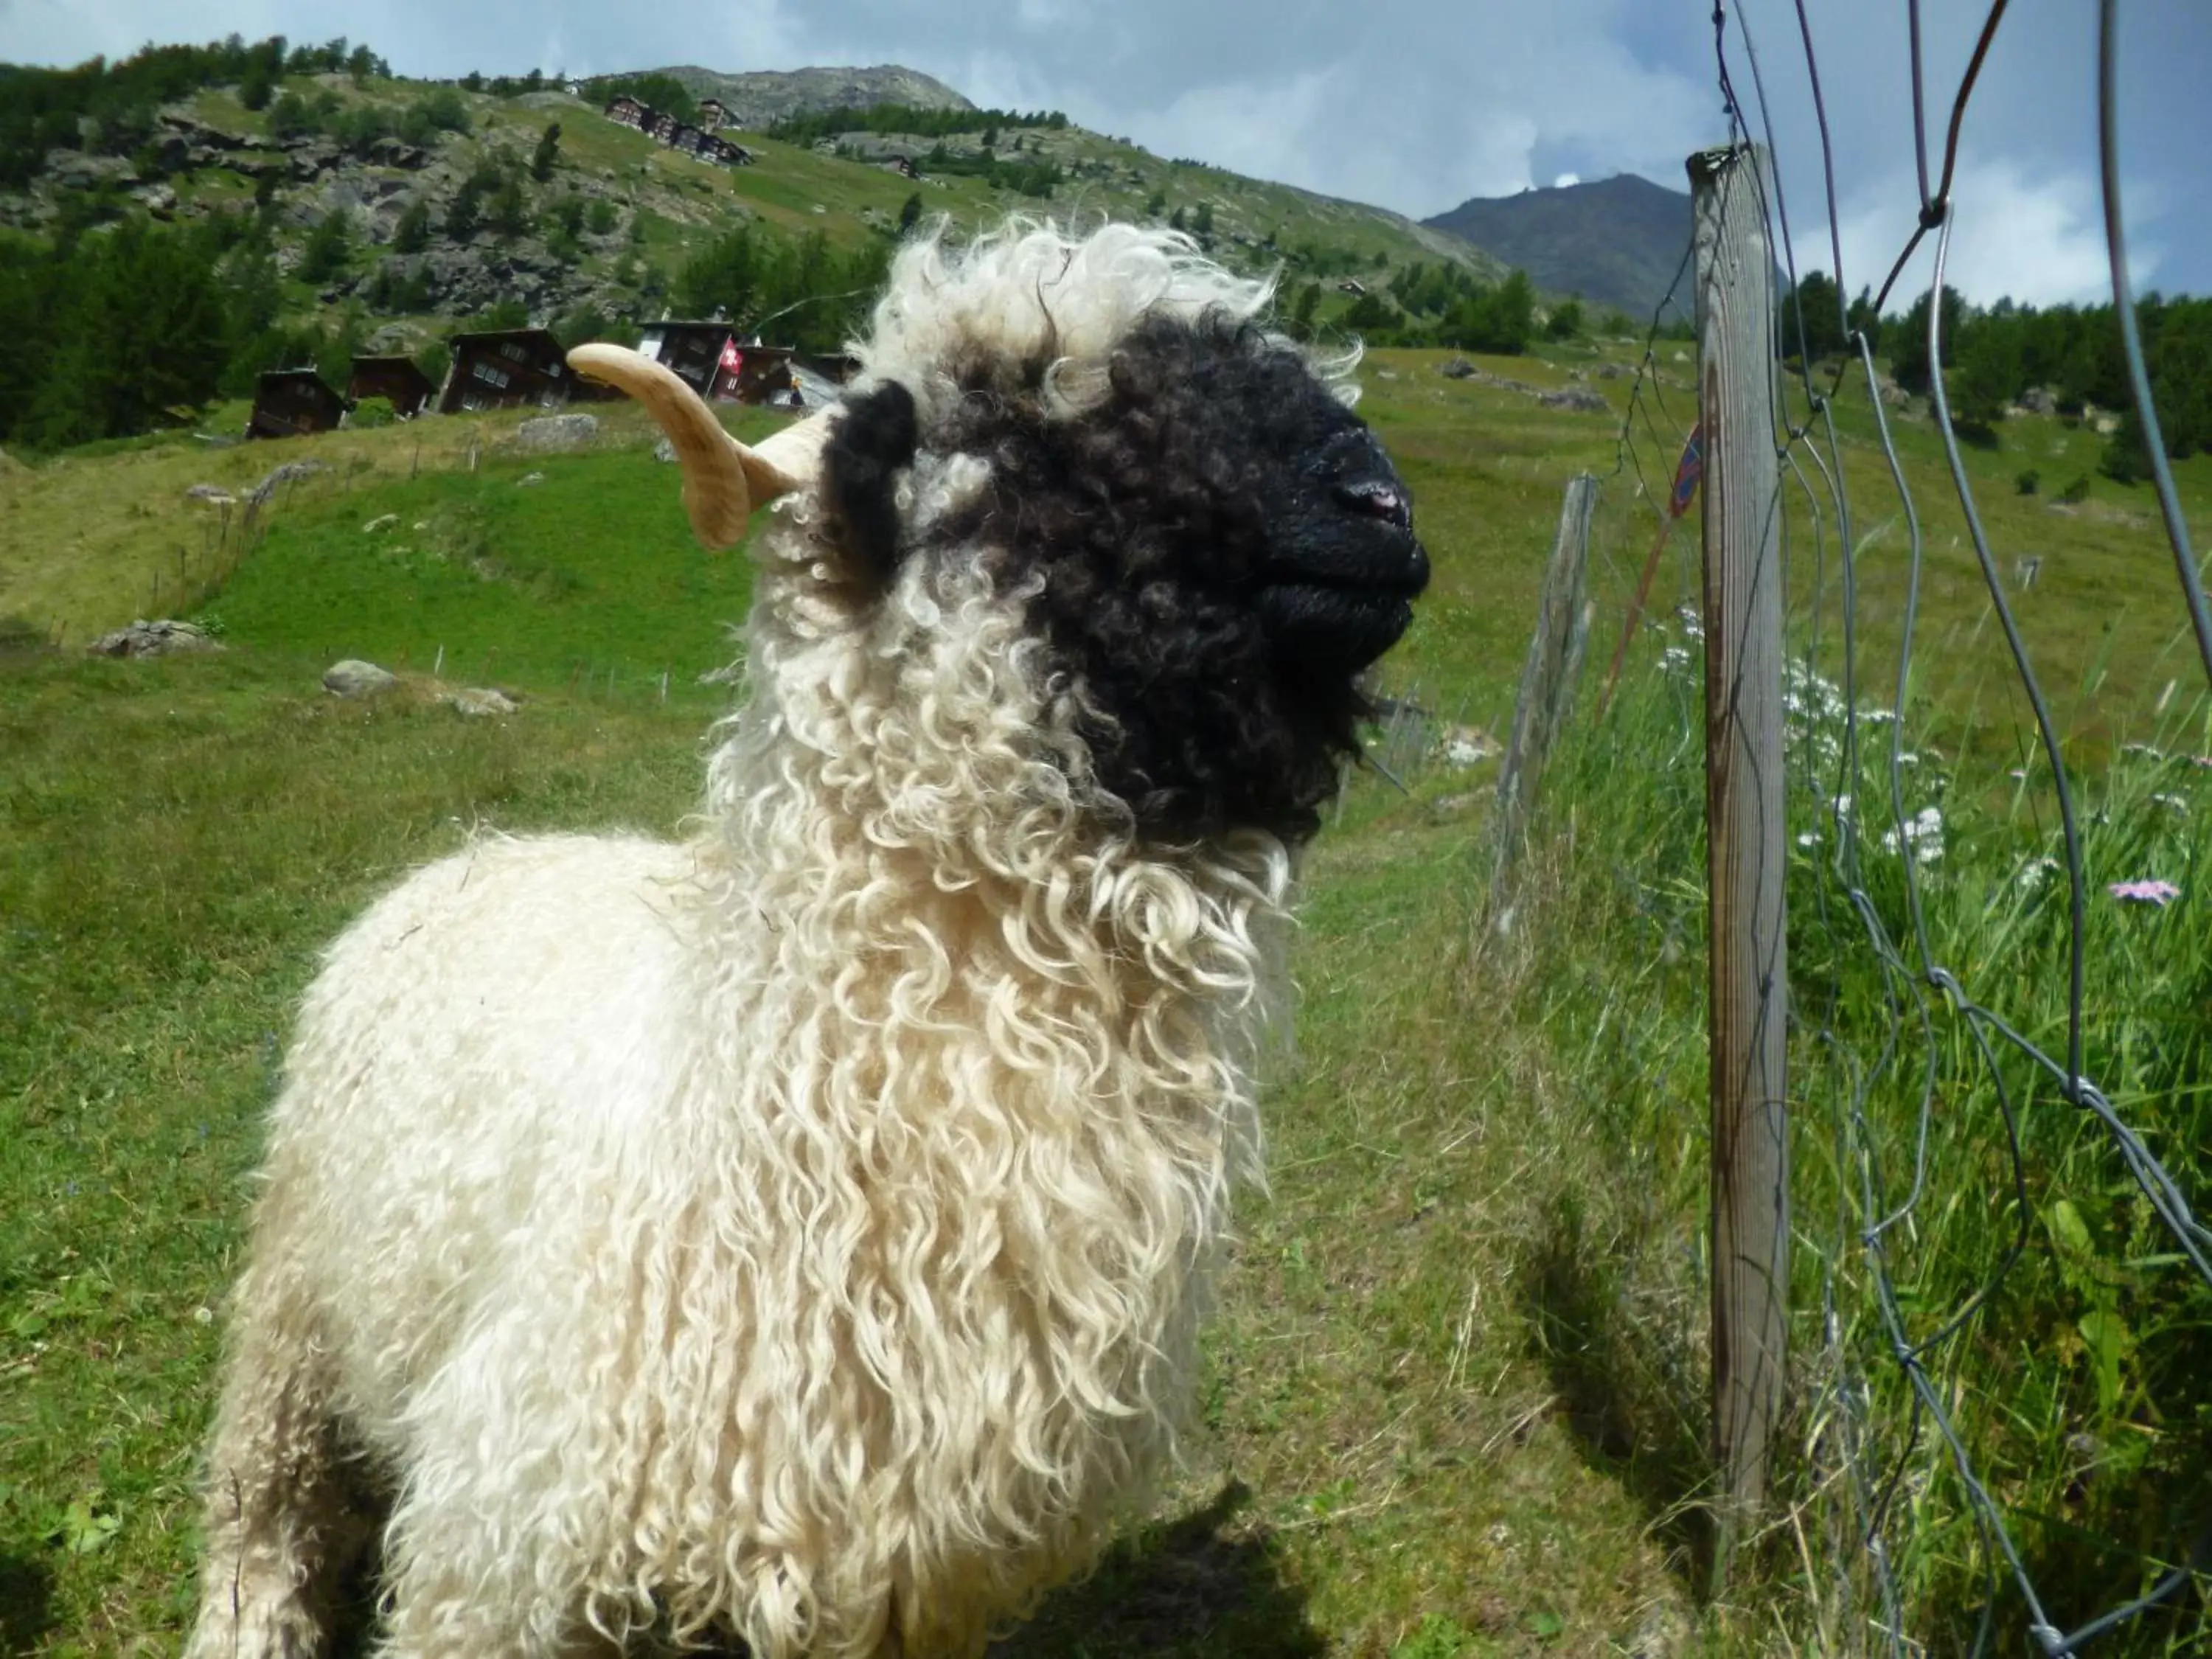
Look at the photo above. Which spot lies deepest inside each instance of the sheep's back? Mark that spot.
(487, 1034)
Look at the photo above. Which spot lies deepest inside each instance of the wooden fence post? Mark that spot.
(1555, 655)
(1744, 824)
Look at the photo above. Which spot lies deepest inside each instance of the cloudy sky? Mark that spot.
(1419, 104)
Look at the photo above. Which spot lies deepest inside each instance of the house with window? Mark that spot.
(700, 141)
(710, 358)
(509, 369)
(396, 380)
(291, 402)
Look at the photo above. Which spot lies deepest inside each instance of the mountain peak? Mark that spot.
(1614, 241)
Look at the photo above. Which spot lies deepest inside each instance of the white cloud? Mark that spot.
(1250, 127)
(1566, 179)
(2039, 239)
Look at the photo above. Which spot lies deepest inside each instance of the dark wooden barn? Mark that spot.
(508, 368)
(290, 402)
(715, 364)
(396, 380)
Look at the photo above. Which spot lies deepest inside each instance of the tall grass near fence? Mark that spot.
(1950, 1204)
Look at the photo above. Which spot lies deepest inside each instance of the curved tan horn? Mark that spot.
(723, 479)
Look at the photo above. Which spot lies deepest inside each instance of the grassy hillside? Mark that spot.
(1455, 1391)
(640, 209)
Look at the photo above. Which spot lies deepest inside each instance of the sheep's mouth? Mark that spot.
(1343, 626)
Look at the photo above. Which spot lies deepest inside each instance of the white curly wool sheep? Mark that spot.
(797, 1234)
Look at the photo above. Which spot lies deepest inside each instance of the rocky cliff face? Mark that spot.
(760, 99)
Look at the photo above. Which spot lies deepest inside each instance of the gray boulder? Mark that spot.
(356, 678)
(1577, 400)
(550, 433)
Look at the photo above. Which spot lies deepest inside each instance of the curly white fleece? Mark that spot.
(801, 1229)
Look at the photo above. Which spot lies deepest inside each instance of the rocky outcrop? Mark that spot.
(162, 638)
(76, 169)
(1575, 400)
(759, 99)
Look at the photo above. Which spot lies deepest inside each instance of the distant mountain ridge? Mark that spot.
(1616, 242)
(757, 98)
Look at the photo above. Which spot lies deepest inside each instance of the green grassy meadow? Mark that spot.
(1456, 1396)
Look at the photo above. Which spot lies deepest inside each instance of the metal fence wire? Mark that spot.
(1940, 1093)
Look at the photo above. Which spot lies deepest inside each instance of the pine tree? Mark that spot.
(509, 214)
(549, 149)
(1985, 377)
(412, 234)
(461, 213)
(330, 245)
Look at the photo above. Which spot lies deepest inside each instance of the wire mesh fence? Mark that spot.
(2000, 980)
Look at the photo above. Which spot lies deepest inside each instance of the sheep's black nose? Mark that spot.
(1381, 497)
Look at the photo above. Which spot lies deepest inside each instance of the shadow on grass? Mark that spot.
(1627, 1390)
(27, 1596)
(1188, 1587)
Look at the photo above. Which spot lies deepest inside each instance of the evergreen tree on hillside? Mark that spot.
(1985, 374)
(1908, 340)
(1812, 319)
(137, 325)
(509, 211)
(330, 246)
(412, 234)
(548, 152)
(462, 213)
(1863, 321)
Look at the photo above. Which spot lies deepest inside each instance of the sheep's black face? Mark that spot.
(1220, 548)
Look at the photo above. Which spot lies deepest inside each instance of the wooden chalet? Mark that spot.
(714, 147)
(291, 402)
(703, 143)
(902, 165)
(710, 358)
(396, 380)
(512, 369)
(714, 114)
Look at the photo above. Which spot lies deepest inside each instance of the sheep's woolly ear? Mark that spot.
(723, 479)
(860, 463)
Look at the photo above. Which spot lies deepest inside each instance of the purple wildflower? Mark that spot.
(2148, 892)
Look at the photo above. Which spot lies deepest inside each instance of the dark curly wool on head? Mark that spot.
(1221, 546)
(876, 437)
